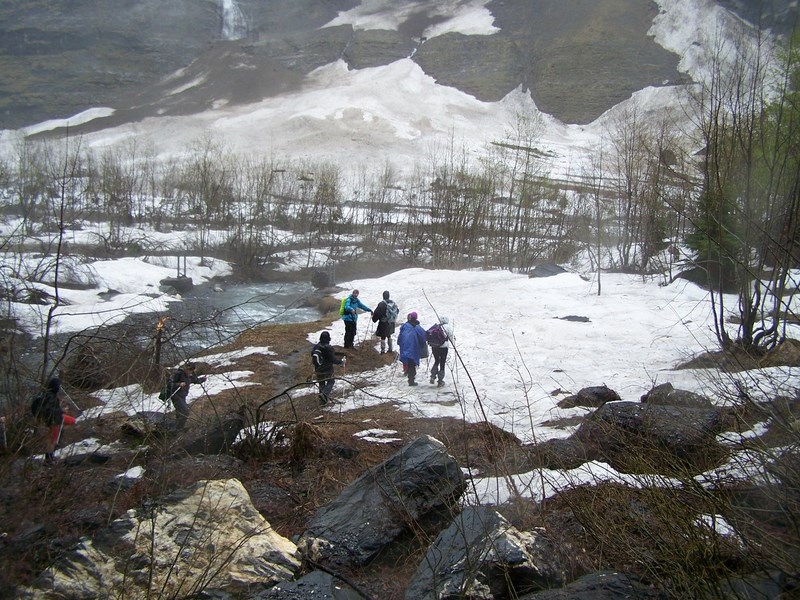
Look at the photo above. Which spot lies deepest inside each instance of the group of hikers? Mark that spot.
(47, 406)
(412, 341)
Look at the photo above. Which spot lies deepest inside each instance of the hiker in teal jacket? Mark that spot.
(350, 317)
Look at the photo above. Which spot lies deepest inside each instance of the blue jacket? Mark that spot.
(350, 313)
(410, 339)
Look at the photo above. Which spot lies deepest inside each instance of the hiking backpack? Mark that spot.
(435, 335)
(316, 357)
(36, 406)
(342, 305)
(167, 391)
(391, 312)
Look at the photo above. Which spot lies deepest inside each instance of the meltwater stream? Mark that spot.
(209, 318)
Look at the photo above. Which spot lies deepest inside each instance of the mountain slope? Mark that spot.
(377, 82)
(578, 59)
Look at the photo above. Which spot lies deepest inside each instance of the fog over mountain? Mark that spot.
(318, 79)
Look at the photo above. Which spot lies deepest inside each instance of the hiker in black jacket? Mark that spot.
(47, 408)
(181, 380)
(323, 358)
(385, 316)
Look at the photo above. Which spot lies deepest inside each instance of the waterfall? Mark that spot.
(234, 21)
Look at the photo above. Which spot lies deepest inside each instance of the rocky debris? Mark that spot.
(375, 509)
(316, 584)
(593, 396)
(666, 395)
(208, 538)
(606, 585)
(481, 555)
(634, 437)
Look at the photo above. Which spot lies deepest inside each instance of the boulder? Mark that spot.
(481, 555)
(648, 438)
(208, 538)
(592, 396)
(546, 270)
(666, 395)
(217, 438)
(601, 586)
(377, 507)
(561, 453)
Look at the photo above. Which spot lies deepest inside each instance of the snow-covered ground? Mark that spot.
(515, 354)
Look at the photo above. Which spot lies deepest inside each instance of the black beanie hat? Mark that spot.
(324, 337)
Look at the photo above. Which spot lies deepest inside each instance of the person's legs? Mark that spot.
(435, 368)
(442, 359)
(439, 356)
(411, 372)
(349, 333)
(181, 410)
(383, 345)
(325, 389)
(389, 339)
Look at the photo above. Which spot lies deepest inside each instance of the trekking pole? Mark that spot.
(60, 429)
(72, 404)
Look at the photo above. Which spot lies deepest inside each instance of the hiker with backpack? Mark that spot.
(180, 382)
(411, 341)
(385, 316)
(46, 407)
(439, 337)
(323, 358)
(350, 317)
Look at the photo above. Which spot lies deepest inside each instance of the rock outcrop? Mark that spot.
(209, 538)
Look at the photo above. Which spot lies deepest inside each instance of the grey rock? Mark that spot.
(481, 555)
(592, 396)
(601, 586)
(666, 395)
(317, 585)
(375, 509)
(634, 437)
(546, 270)
(561, 453)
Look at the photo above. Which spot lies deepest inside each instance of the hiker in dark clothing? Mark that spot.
(323, 358)
(350, 318)
(181, 380)
(385, 316)
(440, 352)
(47, 409)
(411, 341)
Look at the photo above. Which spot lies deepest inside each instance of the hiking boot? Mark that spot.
(412, 383)
(322, 400)
(433, 379)
(441, 383)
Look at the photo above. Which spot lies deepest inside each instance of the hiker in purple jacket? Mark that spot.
(411, 340)
(440, 352)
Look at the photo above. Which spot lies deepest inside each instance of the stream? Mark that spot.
(213, 317)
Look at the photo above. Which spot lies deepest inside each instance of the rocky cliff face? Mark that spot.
(577, 58)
